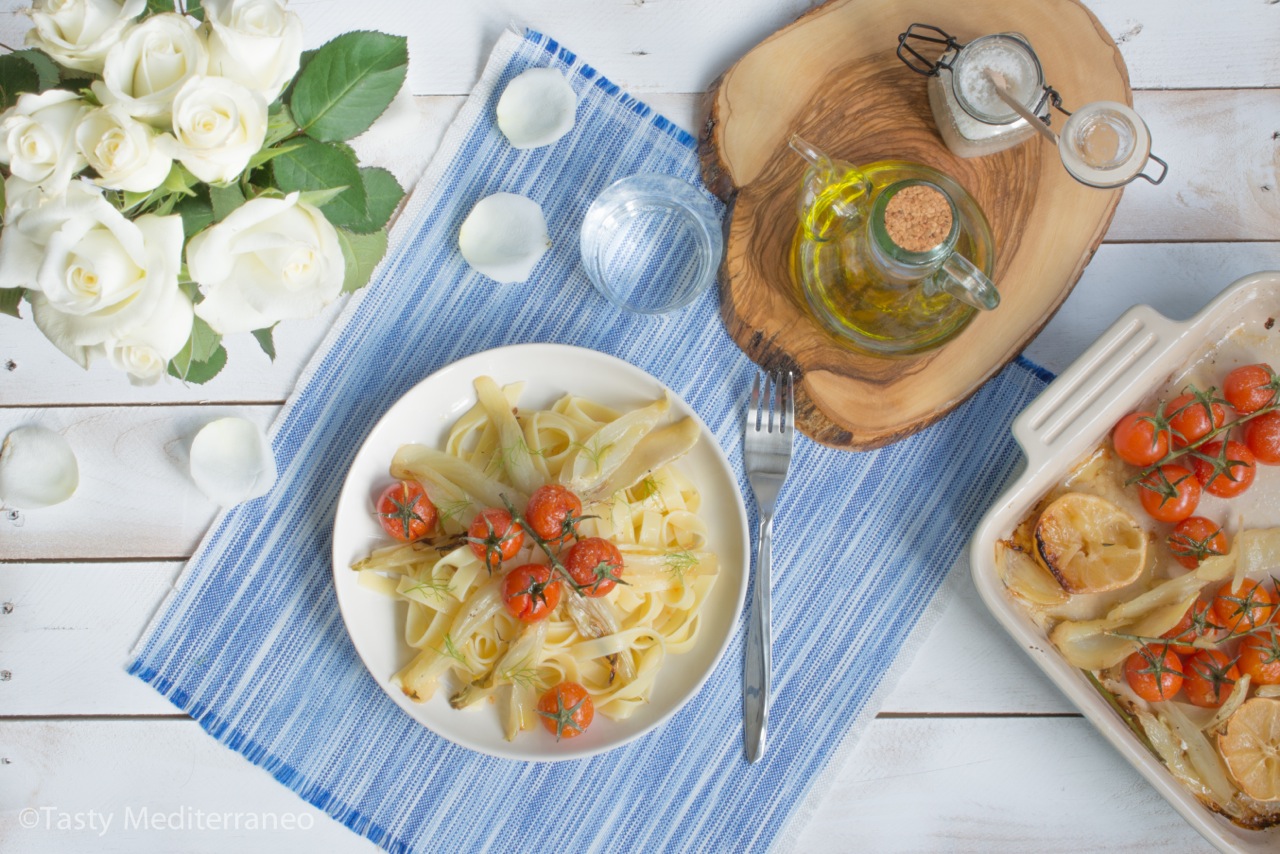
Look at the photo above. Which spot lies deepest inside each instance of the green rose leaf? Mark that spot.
(10, 298)
(200, 373)
(361, 254)
(158, 7)
(382, 193)
(348, 83)
(197, 214)
(46, 68)
(17, 75)
(224, 200)
(201, 349)
(266, 341)
(313, 166)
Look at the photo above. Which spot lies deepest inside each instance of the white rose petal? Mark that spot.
(269, 260)
(504, 236)
(144, 70)
(121, 150)
(78, 33)
(37, 138)
(536, 108)
(256, 43)
(217, 126)
(231, 461)
(37, 469)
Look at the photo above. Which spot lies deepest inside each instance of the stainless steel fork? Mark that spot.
(766, 451)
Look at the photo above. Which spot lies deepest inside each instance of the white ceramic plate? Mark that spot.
(1139, 354)
(424, 415)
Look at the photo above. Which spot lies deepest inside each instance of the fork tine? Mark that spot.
(789, 404)
(768, 408)
(753, 406)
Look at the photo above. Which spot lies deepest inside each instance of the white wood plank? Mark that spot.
(655, 45)
(67, 636)
(1015, 785)
(136, 497)
(981, 785)
(1223, 153)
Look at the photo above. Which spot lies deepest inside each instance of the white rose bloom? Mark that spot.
(78, 33)
(121, 150)
(144, 351)
(37, 138)
(93, 275)
(253, 42)
(217, 126)
(269, 260)
(145, 69)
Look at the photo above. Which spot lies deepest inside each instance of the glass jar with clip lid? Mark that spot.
(994, 96)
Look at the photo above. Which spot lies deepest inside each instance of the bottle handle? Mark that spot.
(841, 192)
(959, 277)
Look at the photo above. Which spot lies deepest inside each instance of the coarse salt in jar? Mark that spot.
(970, 115)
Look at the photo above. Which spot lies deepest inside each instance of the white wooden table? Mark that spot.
(974, 749)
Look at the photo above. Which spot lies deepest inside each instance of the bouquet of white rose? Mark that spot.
(178, 172)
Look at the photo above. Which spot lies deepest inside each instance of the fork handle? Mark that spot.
(755, 682)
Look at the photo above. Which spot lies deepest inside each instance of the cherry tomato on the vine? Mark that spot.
(406, 512)
(1248, 388)
(530, 592)
(493, 537)
(1245, 607)
(1195, 539)
(1138, 441)
(1208, 677)
(1224, 470)
(553, 513)
(1262, 435)
(566, 710)
(1170, 493)
(1260, 657)
(1197, 623)
(1192, 417)
(595, 564)
(1154, 673)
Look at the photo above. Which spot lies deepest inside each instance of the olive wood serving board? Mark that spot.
(834, 78)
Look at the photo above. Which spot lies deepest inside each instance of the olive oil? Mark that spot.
(875, 296)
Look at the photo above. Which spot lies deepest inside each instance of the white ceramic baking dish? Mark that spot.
(1137, 356)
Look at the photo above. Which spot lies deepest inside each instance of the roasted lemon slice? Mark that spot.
(1089, 544)
(1251, 748)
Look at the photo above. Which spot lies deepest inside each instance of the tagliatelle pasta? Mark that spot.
(620, 465)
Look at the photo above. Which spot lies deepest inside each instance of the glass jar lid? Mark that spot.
(1010, 56)
(1104, 144)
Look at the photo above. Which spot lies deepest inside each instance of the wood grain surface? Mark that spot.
(833, 78)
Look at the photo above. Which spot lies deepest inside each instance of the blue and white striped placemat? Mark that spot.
(251, 643)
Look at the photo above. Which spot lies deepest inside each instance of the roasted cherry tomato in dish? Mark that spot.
(493, 537)
(1137, 439)
(531, 592)
(1245, 607)
(1250, 387)
(1170, 493)
(1260, 657)
(1197, 623)
(595, 564)
(1154, 673)
(553, 513)
(566, 710)
(1195, 539)
(1208, 678)
(406, 512)
(1193, 416)
(1262, 435)
(1225, 469)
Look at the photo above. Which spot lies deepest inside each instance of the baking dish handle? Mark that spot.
(1122, 358)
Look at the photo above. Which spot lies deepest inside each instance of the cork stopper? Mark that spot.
(918, 218)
